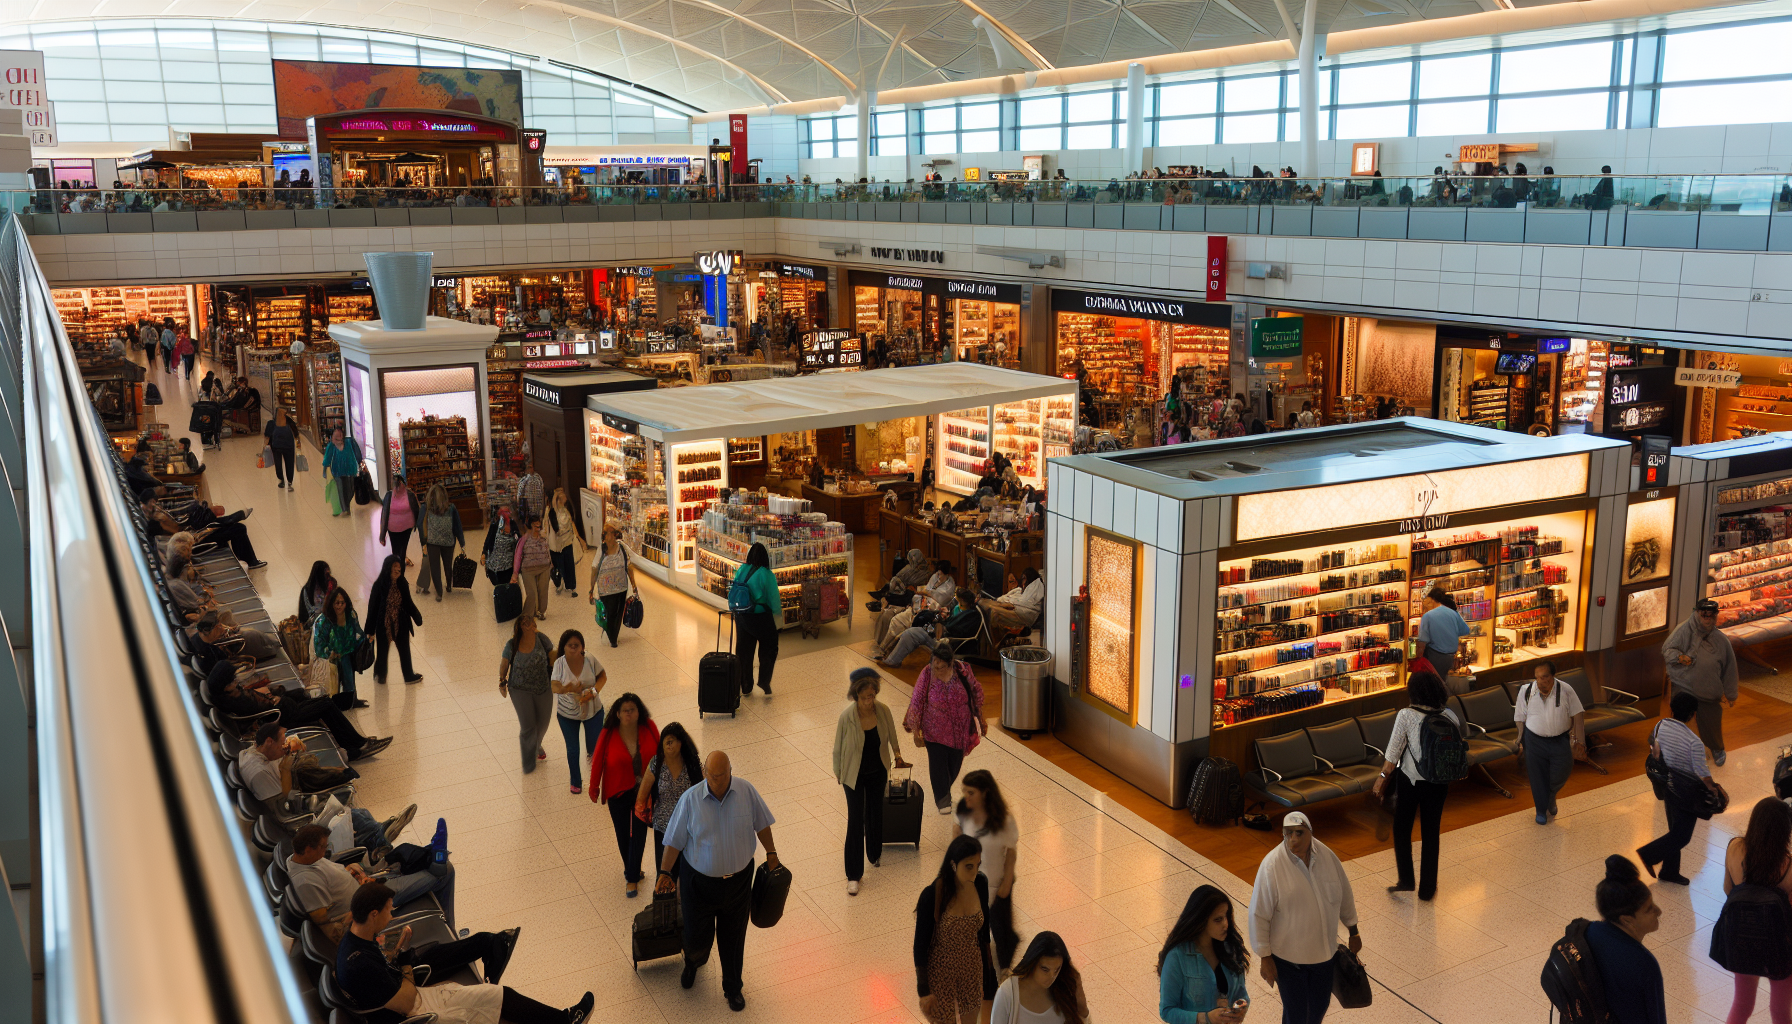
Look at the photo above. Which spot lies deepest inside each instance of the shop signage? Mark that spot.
(913, 284)
(445, 282)
(535, 140)
(541, 334)
(803, 271)
(823, 348)
(719, 263)
(1176, 311)
(617, 423)
(541, 392)
(642, 161)
(415, 124)
(1489, 152)
(1423, 524)
(737, 141)
(1216, 268)
(908, 255)
(989, 291)
(1545, 346)
(22, 75)
(1655, 458)
(1277, 336)
(1690, 377)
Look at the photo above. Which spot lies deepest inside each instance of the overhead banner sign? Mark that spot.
(1689, 377)
(22, 72)
(737, 141)
(1273, 336)
(1176, 311)
(1216, 268)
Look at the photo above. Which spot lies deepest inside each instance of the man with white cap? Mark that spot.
(1300, 897)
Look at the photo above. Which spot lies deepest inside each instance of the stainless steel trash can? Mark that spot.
(1023, 689)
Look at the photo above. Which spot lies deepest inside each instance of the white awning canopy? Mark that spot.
(818, 401)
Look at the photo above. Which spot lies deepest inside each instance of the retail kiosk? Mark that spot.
(662, 457)
(417, 402)
(1251, 586)
(1733, 541)
(554, 419)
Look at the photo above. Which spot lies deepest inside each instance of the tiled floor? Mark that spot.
(531, 854)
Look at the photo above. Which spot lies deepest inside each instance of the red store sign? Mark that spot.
(1216, 268)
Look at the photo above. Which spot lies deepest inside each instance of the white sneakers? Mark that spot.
(852, 888)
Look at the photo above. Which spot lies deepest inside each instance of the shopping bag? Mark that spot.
(301, 464)
(333, 495)
(266, 458)
(323, 676)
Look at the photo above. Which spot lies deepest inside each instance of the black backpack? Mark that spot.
(1443, 753)
(1753, 934)
(1216, 794)
(1571, 979)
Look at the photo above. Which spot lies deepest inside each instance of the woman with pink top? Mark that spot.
(399, 514)
(945, 714)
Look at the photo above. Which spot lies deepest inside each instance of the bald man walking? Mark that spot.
(715, 827)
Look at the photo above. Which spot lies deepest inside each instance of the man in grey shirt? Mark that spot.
(324, 887)
(267, 771)
(1702, 663)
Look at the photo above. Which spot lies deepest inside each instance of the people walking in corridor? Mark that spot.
(954, 972)
(1300, 897)
(984, 816)
(1045, 988)
(1203, 965)
(335, 635)
(391, 614)
(577, 681)
(534, 565)
(612, 579)
(1634, 993)
(282, 441)
(524, 676)
(756, 629)
(1676, 745)
(1702, 662)
(945, 715)
(342, 463)
(441, 533)
(865, 746)
(1414, 794)
(624, 745)
(1762, 857)
(562, 536)
(400, 512)
(1552, 732)
(676, 767)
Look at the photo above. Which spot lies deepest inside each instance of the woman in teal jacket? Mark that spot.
(342, 463)
(758, 628)
(335, 635)
(1201, 969)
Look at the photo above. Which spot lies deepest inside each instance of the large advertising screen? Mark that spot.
(309, 88)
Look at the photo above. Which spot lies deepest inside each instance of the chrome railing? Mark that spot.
(145, 887)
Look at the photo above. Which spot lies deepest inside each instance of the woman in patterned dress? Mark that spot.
(954, 972)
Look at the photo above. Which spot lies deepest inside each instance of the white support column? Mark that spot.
(1135, 118)
(1309, 91)
(867, 101)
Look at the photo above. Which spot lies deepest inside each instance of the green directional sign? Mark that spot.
(1273, 336)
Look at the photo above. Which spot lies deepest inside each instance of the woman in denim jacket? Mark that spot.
(1201, 969)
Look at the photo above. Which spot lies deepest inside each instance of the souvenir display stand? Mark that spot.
(1202, 596)
(417, 401)
(663, 457)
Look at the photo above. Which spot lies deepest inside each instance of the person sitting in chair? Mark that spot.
(1018, 609)
(964, 623)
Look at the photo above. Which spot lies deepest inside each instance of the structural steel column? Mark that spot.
(1309, 91)
(1135, 118)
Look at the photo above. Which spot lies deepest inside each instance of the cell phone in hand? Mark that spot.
(1239, 1004)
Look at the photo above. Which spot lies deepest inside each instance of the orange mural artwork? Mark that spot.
(307, 88)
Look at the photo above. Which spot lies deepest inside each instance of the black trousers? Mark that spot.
(1666, 850)
(631, 833)
(401, 542)
(283, 460)
(756, 630)
(447, 958)
(1001, 924)
(309, 710)
(865, 815)
(613, 614)
(1424, 800)
(382, 643)
(943, 764)
(237, 536)
(716, 911)
(1306, 991)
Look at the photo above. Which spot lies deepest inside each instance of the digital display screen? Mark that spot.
(1515, 363)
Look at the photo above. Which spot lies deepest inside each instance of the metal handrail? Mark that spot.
(148, 911)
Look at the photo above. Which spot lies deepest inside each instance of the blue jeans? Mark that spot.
(368, 832)
(406, 888)
(564, 572)
(911, 638)
(569, 728)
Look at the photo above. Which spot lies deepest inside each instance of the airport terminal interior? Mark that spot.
(1240, 510)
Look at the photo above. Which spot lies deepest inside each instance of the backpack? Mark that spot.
(1571, 979)
(1753, 934)
(1443, 753)
(740, 596)
(438, 529)
(1216, 794)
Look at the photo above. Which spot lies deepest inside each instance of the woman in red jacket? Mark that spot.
(629, 738)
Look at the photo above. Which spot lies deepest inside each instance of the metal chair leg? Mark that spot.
(1491, 781)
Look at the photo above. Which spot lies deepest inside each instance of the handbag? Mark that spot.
(364, 654)
(322, 675)
(301, 464)
(1350, 982)
(631, 612)
(1673, 785)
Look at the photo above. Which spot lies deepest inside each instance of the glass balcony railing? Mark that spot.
(1704, 211)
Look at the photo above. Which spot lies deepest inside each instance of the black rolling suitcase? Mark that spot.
(718, 677)
(904, 803)
(659, 929)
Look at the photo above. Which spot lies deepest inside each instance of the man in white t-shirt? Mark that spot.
(1019, 608)
(1298, 900)
(1552, 732)
(267, 772)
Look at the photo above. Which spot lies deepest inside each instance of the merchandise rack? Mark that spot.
(963, 448)
(440, 451)
(699, 473)
(799, 551)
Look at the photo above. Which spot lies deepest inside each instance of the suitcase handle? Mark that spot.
(730, 617)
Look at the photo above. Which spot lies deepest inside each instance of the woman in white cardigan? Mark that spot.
(865, 745)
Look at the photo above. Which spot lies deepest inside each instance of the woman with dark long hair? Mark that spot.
(311, 596)
(525, 674)
(391, 613)
(954, 973)
(1762, 856)
(1202, 968)
(623, 747)
(1627, 911)
(577, 682)
(983, 815)
(1414, 795)
(865, 747)
(676, 767)
(1045, 987)
(758, 626)
(335, 635)
(499, 554)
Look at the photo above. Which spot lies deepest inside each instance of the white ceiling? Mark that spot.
(722, 54)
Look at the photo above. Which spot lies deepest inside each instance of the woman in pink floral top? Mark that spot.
(945, 713)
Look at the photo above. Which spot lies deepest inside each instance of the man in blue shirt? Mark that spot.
(1441, 628)
(715, 826)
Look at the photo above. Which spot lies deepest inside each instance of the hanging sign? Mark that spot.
(22, 89)
(1692, 377)
(1277, 336)
(1216, 268)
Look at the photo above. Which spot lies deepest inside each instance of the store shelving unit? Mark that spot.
(1059, 428)
(1750, 564)
(698, 473)
(438, 450)
(280, 320)
(1019, 433)
(607, 467)
(746, 451)
(963, 448)
(802, 547)
(326, 394)
(504, 388)
(348, 308)
(286, 392)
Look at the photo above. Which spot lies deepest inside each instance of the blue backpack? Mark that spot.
(740, 596)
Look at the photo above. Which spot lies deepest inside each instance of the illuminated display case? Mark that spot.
(1279, 582)
(1736, 528)
(962, 449)
(696, 474)
(803, 546)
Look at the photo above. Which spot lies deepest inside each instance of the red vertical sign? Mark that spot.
(737, 139)
(1216, 268)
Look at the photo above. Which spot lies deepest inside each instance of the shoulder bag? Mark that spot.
(1350, 981)
(1672, 784)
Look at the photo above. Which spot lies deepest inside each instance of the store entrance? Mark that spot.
(384, 148)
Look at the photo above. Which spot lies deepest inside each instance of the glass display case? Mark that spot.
(963, 449)
(1019, 434)
(698, 475)
(803, 546)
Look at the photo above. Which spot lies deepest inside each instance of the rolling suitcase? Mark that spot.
(463, 571)
(903, 805)
(507, 601)
(658, 930)
(718, 677)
